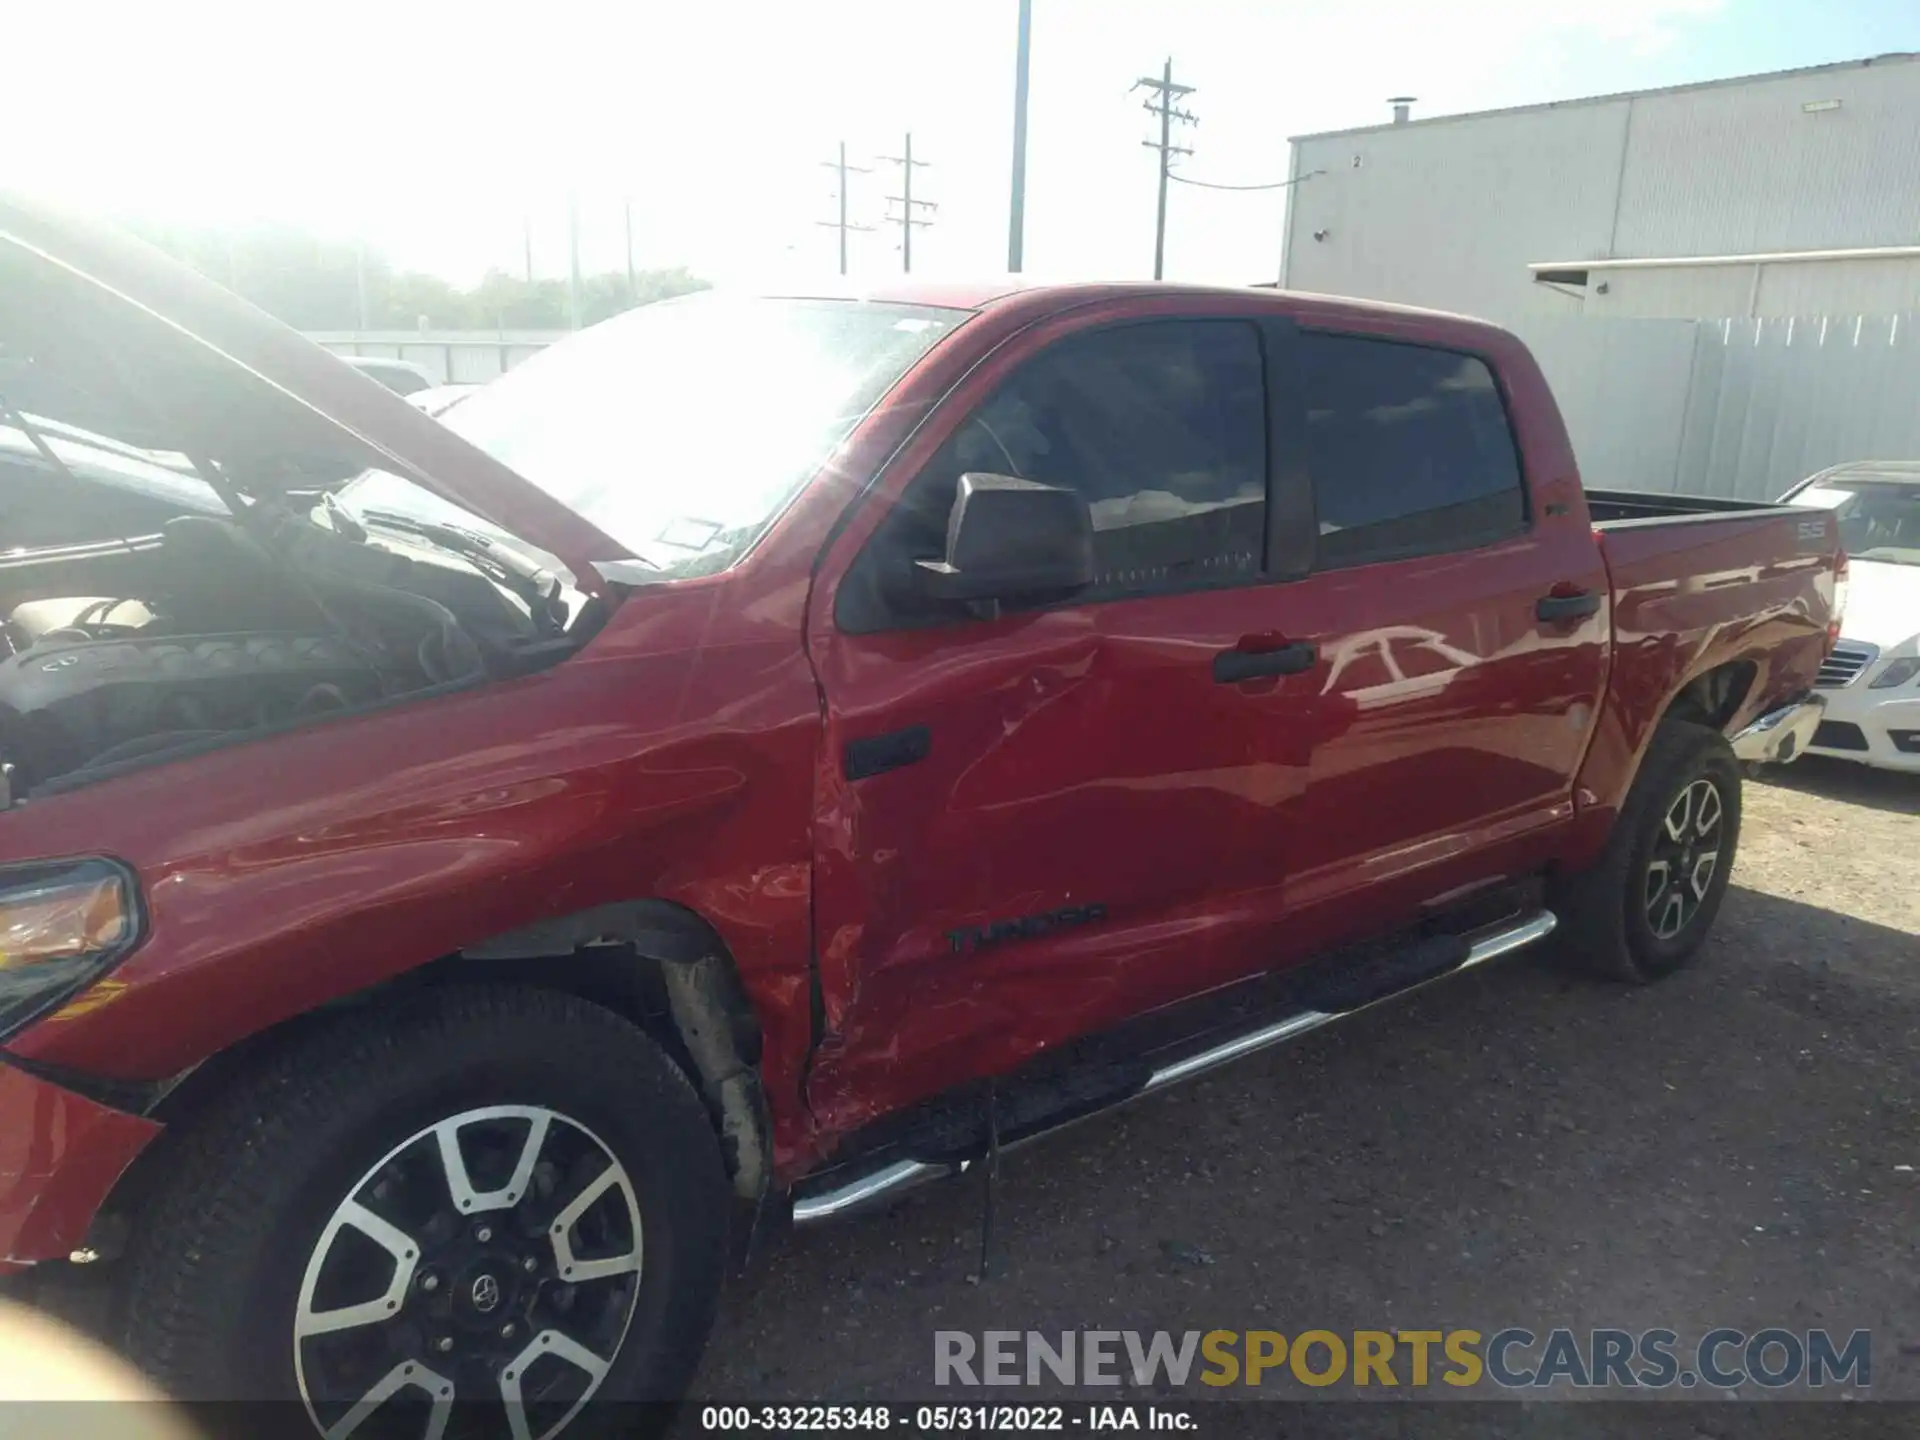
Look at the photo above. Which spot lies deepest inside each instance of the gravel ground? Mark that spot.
(1518, 1147)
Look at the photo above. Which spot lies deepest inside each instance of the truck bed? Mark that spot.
(1615, 509)
(1717, 585)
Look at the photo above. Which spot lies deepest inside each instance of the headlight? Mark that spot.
(1897, 673)
(63, 924)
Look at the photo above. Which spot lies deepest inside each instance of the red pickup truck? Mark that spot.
(778, 749)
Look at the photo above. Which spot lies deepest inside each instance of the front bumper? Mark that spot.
(60, 1154)
(1781, 735)
(1880, 728)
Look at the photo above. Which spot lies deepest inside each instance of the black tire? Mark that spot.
(215, 1269)
(1605, 920)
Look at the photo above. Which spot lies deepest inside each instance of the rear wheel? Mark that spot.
(1645, 909)
(502, 1199)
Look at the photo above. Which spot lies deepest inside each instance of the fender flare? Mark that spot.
(709, 1007)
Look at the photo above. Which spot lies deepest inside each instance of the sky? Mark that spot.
(444, 133)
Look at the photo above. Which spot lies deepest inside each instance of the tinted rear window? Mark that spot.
(1410, 450)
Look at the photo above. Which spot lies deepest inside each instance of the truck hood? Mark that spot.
(1883, 602)
(154, 353)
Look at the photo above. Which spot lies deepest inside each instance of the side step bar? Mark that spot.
(866, 1190)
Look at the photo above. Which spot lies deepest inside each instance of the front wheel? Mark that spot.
(1646, 907)
(504, 1200)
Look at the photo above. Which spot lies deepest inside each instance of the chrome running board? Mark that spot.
(860, 1193)
(870, 1187)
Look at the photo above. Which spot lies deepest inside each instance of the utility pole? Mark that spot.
(633, 288)
(526, 234)
(1017, 209)
(573, 262)
(842, 170)
(907, 217)
(360, 279)
(1165, 92)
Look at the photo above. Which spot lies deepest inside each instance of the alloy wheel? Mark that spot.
(491, 1260)
(1686, 852)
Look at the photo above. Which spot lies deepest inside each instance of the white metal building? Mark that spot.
(1795, 193)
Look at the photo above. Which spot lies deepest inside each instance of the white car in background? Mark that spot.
(436, 400)
(1872, 680)
(403, 377)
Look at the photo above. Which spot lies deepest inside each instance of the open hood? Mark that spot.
(102, 331)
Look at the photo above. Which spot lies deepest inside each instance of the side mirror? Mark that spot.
(1011, 539)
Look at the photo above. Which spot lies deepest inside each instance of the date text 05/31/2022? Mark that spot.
(940, 1419)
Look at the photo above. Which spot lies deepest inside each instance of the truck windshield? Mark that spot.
(1879, 519)
(684, 428)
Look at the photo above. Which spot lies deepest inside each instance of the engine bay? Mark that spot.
(178, 568)
(120, 653)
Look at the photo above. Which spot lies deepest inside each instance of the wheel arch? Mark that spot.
(1715, 696)
(657, 964)
(665, 968)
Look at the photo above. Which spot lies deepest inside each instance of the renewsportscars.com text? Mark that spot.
(1512, 1358)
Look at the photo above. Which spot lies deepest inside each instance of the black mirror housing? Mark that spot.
(1010, 539)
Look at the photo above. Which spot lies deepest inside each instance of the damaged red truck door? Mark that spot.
(1002, 892)
(1352, 661)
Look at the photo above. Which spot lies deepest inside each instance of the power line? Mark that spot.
(1165, 92)
(1275, 185)
(573, 262)
(843, 169)
(908, 219)
(633, 288)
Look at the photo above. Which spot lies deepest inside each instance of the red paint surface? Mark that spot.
(691, 752)
(59, 1156)
(1687, 599)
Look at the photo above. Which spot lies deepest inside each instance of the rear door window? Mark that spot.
(1409, 448)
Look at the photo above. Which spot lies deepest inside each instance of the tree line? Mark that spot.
(314, 284)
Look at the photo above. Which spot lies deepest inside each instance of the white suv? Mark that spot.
(1872, 680)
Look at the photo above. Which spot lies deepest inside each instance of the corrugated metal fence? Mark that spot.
(1732, 407)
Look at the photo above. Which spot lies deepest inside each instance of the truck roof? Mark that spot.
(1045, 294)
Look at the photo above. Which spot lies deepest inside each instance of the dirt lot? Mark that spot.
(1518, 1147)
